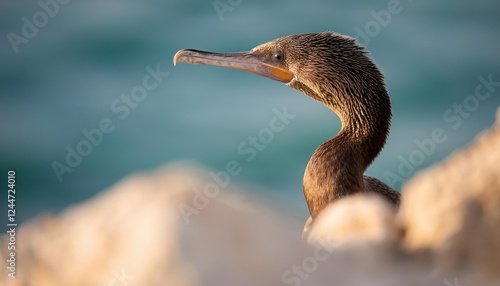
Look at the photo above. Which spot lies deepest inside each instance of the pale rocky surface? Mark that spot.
(453, 208)
(447, 232)
(358, 219)
(135, 234)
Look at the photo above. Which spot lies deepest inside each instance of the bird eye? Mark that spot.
(278, 57)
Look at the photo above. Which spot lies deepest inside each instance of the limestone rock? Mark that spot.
(139, 233)
(453, 208)
(358, 219)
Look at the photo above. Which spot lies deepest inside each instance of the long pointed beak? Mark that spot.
(247, 61)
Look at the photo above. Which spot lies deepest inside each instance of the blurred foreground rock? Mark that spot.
(453, 209)
(358, 219)
(139, 233)
(155, 229)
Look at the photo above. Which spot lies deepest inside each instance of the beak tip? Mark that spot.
(177, 56)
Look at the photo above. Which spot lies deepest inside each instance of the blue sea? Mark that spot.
(68, 70)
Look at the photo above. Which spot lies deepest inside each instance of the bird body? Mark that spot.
(333, 70)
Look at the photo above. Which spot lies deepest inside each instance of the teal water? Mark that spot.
(71, 74)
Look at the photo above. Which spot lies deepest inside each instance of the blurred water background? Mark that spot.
(67, 76)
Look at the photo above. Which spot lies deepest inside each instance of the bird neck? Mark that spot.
(336, 168)
(365, 126)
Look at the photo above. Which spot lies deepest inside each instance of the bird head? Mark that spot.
(325, 66)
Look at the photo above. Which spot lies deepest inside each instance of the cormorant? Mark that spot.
(335, 71)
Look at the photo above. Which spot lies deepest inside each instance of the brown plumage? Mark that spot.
(335, 71)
